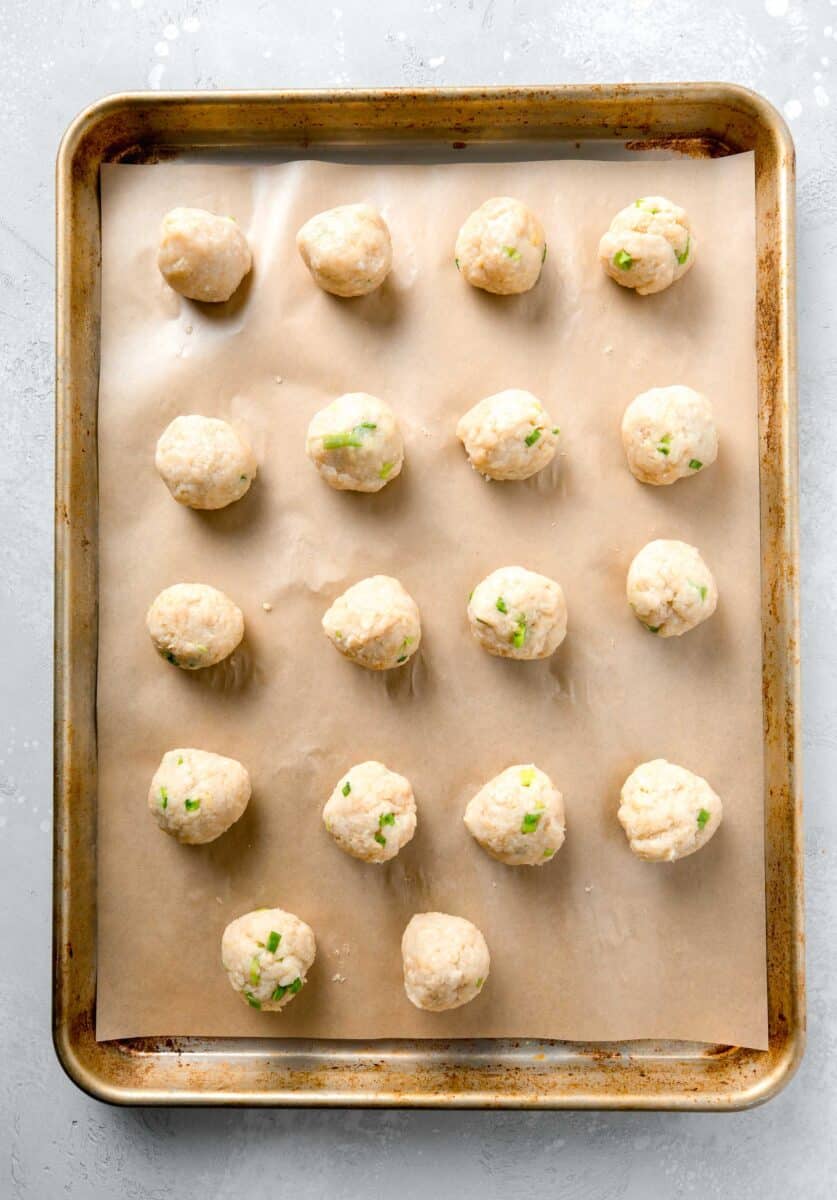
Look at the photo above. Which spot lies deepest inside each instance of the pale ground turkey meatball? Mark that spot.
(670, 588)
(667, 812)
(508, 435)
(355, 443)
(669, 434)
(202, 256)
(348, 249)
(371, 814)
(518, 817)
(446, 961)
(515, 613)
(267, 955)
(196, 796)
(204, 462)
(375, 623)
(194, 625)
(649, 245)
(501, 247)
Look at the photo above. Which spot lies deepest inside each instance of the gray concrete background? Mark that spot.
(55, 57)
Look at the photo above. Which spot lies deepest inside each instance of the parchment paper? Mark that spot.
(597, 945)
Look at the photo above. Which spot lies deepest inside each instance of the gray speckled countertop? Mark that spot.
(55, 57)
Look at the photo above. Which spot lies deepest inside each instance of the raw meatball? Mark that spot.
(667, 812)
(501, 247)
(194, 625)
(649, 245)
(518, 817)
(267, 955)
(348, 249)
(196, 796)
(375, 623)
(355, 443)
(371, 813)
(670, 588)
(446, 961)
(201, 255)
(509, 435)
(204, 463)
(669, 433)
(515, 613)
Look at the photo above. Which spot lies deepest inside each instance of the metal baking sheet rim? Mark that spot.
(701, 118)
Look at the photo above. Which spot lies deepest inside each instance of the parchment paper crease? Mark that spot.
(597, 945)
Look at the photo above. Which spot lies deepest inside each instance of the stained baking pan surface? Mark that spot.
(416, 126)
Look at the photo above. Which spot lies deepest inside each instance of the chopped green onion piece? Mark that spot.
(296, 986)
(456, 260)
(379, 838)
(470, 595)
(548, 853)
(701, 587)
(386, 819)
(180, 760)
(191, 805)
(243, 478)
(337, 441)
(255, 971)
(531, 438)
(527, 776)
(519, 635)
(695, 464)
(350, 437)
(402, 658)
(653, 628)
(641, 204)
(252, 1001)
(479, 982)
(501, 605)
(664, 444)
(273, 941)
(702, 818)
(511, 252)
(169, 657)
(385, 469)
(623, 260)
(347, 787)
(556, 430)
(279, 991)
(530, 822)
(164, 797)
(681, 258)
(543, 256)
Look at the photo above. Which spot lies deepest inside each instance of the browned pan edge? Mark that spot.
(703, 119)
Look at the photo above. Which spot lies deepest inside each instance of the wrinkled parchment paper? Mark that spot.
(597, 945)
